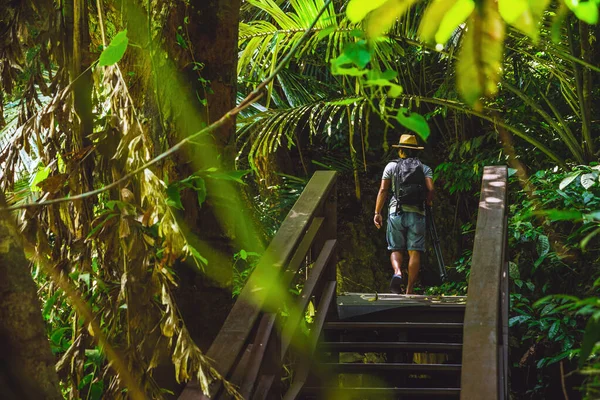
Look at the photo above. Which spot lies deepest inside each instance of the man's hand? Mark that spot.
(377, 220)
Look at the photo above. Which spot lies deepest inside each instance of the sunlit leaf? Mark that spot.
(568, 179)
(413, 121)
(395, 90)
(376, 78)
(196, 254)
(432, 18)
(235, 176)
(479, 65)
(357, 10)
(39, 176)
(381, 19)
(510, 10)
(345, 102)
(530, 18)
(561, 215)
(113, 53)
(455, 16)
(588, 180)
(587, 11)
(441, 19)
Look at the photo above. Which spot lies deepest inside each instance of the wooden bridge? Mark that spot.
(365, 346)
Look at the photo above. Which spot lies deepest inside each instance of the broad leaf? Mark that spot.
(524, 15)
(591, 336)
(381, 19)
(357, 10)
(174, 197)
(113, 53)
(453, 18)
(586, 11)
(588, 180)
(569, 178)
(235, 176)
(413, 121)
(479, 65)
(561, 215)
(432, 18)
(510, 10)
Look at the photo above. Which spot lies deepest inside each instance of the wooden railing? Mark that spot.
(253, 342)
(485, 341)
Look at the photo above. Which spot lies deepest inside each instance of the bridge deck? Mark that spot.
(351, 305)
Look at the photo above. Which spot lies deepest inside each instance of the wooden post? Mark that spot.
(481, 376)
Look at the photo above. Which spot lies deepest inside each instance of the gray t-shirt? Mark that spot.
(388, 173)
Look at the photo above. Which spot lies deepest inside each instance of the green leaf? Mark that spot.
(479, 65)
(196, 254)
(452, 19)
(243, 254)
(345, 102)
(543, 245)
(587, 11)
(588, 180)
(113, 53)
(357, 53)
(381, 19)
(590, 337)
(49, 304)
(518, 319)
(415, 122)
(376, 78)
(235, 176)
(553, 330)
(510, 10)
(395, 90)
(174, 197)
(432, 18)
(326, 32)
(200, 188)
(530, 19)
(357, 10)
(561, 215)
(41, 175)
(567, 181)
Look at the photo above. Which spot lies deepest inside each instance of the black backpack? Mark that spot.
(409, 182)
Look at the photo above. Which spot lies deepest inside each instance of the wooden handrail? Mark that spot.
(484, 343)
(310, 224)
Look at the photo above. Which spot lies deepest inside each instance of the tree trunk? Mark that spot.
(26, 362)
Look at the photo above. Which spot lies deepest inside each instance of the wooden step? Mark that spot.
(381, 367)
(383, 393)
(450, 326)
(383, 346)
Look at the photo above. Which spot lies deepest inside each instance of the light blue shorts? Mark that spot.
(406, 231)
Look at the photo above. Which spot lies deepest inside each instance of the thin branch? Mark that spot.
(248, 101)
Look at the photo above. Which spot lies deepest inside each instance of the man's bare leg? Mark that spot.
(414, 265)
(396, 260)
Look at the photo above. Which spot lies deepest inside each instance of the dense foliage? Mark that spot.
(116, 102)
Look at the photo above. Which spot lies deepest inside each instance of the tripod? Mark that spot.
(436, 242)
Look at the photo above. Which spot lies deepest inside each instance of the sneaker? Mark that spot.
(395, 284)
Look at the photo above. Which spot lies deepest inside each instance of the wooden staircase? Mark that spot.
(363, 346)
(411, 347)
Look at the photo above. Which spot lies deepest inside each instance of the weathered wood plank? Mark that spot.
(480, 372)
(226, 348)
(315, 276)
(302, 373)
(265, 330)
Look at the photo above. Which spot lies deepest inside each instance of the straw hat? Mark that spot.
(409, 142)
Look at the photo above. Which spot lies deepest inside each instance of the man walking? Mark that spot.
(411, 182)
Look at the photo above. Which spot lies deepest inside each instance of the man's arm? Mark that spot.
(381, 198)
(430, 190)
